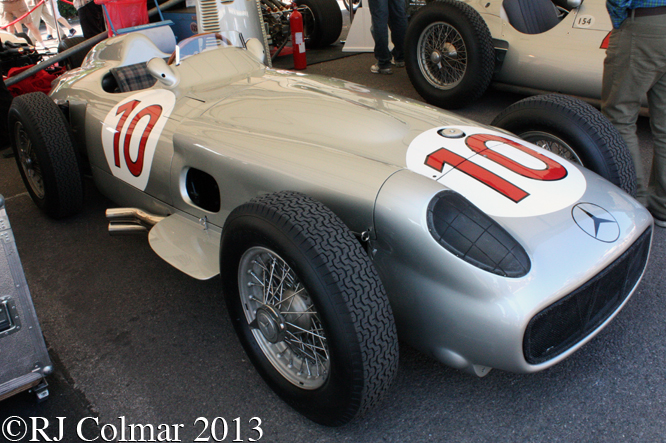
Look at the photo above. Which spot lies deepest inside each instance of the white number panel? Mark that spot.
(131, 131)
(503, 175)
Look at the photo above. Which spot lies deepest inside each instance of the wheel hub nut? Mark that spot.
(450, 50)
(270, 324)
(435, 57)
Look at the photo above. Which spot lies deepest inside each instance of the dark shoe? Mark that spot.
(72, 32)
(375, 69)
(49, 37)
(400, 64)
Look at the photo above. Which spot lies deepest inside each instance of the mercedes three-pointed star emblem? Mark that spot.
(596, 222)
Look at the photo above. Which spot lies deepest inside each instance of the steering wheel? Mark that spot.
(188, 40)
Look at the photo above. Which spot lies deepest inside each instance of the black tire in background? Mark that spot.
(322, 23)
(45, 154)
(74, 60)
(458, 72)
(341, 290)
(579, 131)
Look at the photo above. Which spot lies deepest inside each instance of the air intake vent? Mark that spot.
(467, 232)
(209, 18)
(566, 322)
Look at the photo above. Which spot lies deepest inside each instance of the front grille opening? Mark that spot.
(572, 318)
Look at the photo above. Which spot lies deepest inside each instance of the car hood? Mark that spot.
(329, 113)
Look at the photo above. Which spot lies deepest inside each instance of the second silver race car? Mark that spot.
(455, 48)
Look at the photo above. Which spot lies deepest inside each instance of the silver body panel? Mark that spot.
(567, 58)
(360, 152)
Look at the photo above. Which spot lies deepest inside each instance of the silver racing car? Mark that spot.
(455, 48)
(338, 217)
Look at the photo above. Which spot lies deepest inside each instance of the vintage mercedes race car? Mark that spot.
(455, 48)
(337, 216)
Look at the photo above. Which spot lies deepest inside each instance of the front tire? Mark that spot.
(308, 306)
(45, 154)
(574, 130)
(322, 22)
(450, 57)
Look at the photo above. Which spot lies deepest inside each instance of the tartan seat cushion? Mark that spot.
(133, 77)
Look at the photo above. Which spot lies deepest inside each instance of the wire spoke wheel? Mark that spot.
(442, 55)
(449, 53)
(28, 160)
(283, 319)
(553, 144)
(308, 306)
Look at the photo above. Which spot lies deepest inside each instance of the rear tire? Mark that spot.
(75, 60)
(449, 52)
(45, 154)
(577, 130)
(322, 22)
(302, 252)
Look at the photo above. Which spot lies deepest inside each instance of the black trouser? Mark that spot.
(91, 18)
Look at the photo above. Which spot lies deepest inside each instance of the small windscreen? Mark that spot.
(207, 42)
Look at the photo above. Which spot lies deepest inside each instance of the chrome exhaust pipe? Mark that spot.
(126, 229)
(127, 221)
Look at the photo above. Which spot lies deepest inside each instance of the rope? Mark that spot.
(65, 1)
(23, 16)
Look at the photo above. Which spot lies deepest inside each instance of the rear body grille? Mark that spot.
(572, 318)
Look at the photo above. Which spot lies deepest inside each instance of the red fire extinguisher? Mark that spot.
(297, 41)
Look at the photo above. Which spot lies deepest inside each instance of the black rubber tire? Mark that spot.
(346, 291)
(589, 134)
(42, 122)
(480, 62)
(25, 36)
(325, 25)
(75, 60)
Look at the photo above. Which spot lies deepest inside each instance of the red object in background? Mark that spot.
(297, 39)
(40, 82)
(124, 13)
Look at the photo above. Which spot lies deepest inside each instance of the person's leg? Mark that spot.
(5, 18)
(621, 92)
(9, 11)
(17, 9)
(651, 57)
(66, 24)
(47, 15)
(398, 25)
(34, 20)
(657, 185)
(379, 13)
(34, 31)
